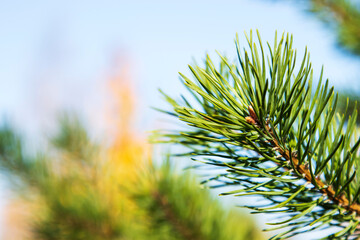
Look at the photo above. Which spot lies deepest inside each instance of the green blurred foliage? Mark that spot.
(344, 16)
(78, 194)
(190, 210)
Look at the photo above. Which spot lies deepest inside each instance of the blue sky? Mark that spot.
(56, 54)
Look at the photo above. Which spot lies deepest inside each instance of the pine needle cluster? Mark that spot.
(277, 134)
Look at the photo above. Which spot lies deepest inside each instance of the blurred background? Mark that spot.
(77, 83)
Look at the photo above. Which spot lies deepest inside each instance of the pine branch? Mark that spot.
(303, 170)
(186, 232)
(262, 122)
(191, 213)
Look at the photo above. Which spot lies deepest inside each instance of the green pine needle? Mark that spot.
(276, 134)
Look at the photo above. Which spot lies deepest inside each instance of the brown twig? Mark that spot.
(185, 231)
(326, 189)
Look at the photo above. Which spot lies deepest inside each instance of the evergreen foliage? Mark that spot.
(344, 16)
(191, 212)
(79, 189)
(276, 134)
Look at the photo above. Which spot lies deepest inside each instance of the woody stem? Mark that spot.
(326, 189)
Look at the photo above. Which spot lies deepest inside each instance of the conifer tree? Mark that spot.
(275, 132)
(78, 188)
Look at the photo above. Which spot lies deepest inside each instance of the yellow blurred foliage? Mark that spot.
(105, 182)
(84, 189)
(128, 151)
